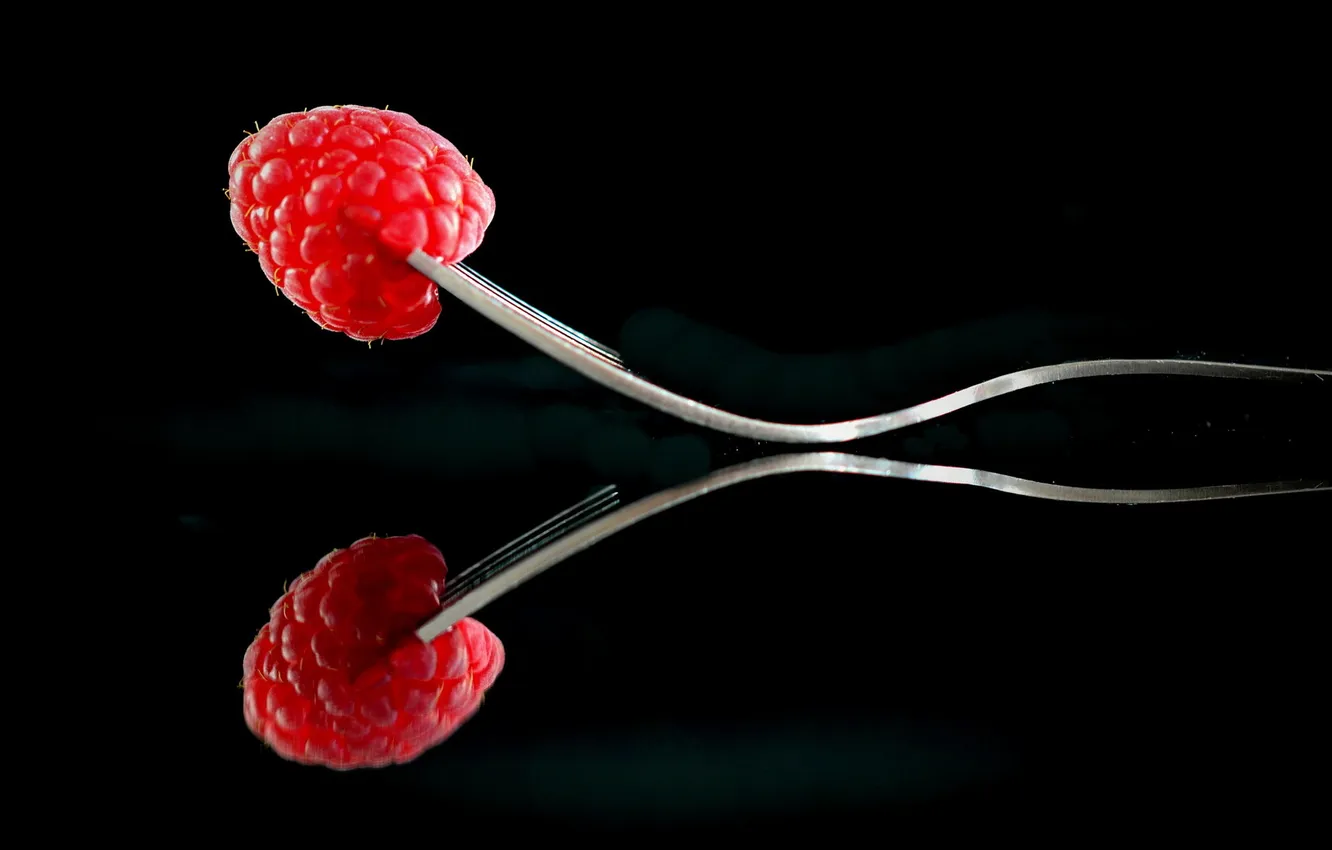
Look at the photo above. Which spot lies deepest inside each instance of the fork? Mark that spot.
(596, 517)
(603, 365)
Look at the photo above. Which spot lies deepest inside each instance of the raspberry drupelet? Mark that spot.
(338, 678)
(334, 199)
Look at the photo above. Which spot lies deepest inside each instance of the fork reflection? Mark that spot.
(588, 522)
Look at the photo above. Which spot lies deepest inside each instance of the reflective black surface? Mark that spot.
(817, 650)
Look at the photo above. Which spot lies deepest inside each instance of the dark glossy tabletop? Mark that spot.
(814, 648)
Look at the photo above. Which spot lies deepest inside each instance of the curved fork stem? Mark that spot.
(553, 553)
(579, 354)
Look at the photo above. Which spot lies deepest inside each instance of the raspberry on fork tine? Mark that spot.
(332, 200)
(337, 677)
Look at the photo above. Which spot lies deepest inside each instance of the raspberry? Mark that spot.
(337, 677)
(334, 199)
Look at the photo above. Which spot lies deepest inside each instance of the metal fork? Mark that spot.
(596, 517)
(603, 365)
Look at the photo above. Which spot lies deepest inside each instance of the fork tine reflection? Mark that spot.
(566, 539)
(564, 522)
(600, 363)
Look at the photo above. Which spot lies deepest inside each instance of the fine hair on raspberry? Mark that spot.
(333, 200)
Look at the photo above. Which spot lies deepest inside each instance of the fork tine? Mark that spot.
(554, 324)
(549, 319)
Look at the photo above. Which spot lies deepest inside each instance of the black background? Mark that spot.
(802, 241)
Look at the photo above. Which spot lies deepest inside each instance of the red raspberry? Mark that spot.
(338, 678)
(332, 200)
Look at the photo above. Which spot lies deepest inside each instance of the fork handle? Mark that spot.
(576, 355)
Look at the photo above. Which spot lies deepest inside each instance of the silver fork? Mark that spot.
(600, 515)
(603, 365)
